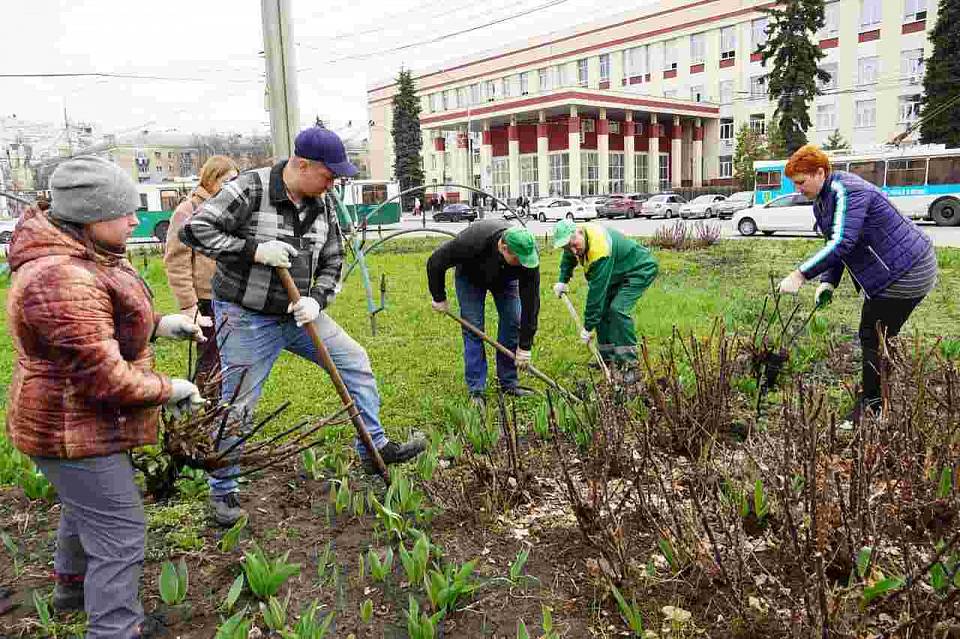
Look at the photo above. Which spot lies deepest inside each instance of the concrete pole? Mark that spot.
(281, 75)
(543, 156)
(653, 155)
(676, 152)
(629, 149)
(698, 153)
(573, 152)
(513, 150)
(603, 152)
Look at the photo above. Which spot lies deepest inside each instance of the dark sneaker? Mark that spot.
(226, 509)
(393, 453)
(153, 626)
(68, 597)
(518, 391)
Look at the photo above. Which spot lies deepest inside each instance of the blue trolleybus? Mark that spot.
(922, 181)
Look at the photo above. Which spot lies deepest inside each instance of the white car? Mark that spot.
(793, 212)
(734, 203)
(560, 208)
(6, 229)
(662, 205)
(701, 206)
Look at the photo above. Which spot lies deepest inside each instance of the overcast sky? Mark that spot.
(212, 50)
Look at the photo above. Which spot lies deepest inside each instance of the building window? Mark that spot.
(726, 166)
(640, 173)
(870, 14)
(826, 117)
(906, 172)
(490, 90)
(758, 32)
(635, 62)
(670, 52)
(698, 48)
(433, 161)
(508, 86)
(446, 99)
(501, 177)
(830, 84)
(462, 98)
(544, 79)
(728, 42)
(670, 93)
(726, 91)
(758, 86)
(589, 173)
(615, 174)
(911, 64)
(605, 67)
(758, 123)
(914, 10)
(559, 76)
(726, 129)
(559, 173)
(831, 21)
(582, 72)
(435, 104)
(696, 93)
(664, 171)
(529, 177)
(909, 108)
(614, 126)
(866, 113)
(588, 125)
(475, 93)
(868, 69)
(525, 83)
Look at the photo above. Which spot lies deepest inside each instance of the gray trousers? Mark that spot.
(101, 536)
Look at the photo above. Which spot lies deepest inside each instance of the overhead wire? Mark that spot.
(126, 76)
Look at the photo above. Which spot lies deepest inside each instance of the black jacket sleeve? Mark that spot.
(529, 306)
(445, 256)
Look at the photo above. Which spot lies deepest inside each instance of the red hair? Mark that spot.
(807, 159)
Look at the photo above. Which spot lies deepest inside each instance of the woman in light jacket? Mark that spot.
(84, 392)
(189, 273)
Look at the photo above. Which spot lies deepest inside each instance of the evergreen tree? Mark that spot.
(835, 142)
(793, 76)
(942, 77)
(776, 141)
(750, 147)
(407, 139)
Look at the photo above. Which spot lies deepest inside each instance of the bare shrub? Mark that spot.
(680, 236)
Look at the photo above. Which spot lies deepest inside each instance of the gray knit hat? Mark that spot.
(90, 189)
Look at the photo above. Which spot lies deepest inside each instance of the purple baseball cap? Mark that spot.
(323, 145)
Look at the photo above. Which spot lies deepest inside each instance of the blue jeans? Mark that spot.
(252, 341)
(472, 301)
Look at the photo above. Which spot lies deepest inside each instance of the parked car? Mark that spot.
(6, 229)
(736, 202)
(701, 206)
(662, 205)
(596, 200)
(622, 205)
(559, 208)
(792, 212)
(455, 213)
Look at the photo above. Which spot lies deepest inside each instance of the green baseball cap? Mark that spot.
(521, 243)
(562, 232)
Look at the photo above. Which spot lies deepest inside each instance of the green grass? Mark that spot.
(416, 354)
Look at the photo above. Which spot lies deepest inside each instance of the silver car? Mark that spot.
(734, 204)
(662, 205)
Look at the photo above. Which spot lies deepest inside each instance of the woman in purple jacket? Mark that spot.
(891, 261)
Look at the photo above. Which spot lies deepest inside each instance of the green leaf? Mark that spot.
(881, 588)
(231, 538)
(234, 593)
(183, 581)
(522, 630)
(366, 611)
(939, 578)
(946, 483)
(236, 627)
(516, 568)
(169, 583)
(863, 561)
(547, 613)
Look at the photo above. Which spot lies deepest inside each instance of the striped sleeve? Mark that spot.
(215, 230)
(326, 279)
(848, 219)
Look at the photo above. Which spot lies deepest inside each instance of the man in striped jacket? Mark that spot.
(891, 261)
(281, 216)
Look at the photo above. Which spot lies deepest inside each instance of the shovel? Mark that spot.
(506, 351)
(593, 347)
(327, 362)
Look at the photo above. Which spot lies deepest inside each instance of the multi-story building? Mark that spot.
(151, 158)
(652, 100)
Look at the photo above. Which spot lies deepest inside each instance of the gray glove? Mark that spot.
(185, 399)
(274, 253)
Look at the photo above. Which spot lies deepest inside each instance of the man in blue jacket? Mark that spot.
(891, 261)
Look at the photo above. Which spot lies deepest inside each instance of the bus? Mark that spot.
(157, 203)
(361, 197)
(922, 181)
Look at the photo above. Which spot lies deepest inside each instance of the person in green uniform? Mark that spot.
(618, 271)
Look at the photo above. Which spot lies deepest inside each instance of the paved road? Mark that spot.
(942, 236)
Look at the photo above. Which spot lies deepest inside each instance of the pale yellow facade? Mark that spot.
(676, 53)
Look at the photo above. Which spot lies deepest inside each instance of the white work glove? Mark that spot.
(586, 336)
(274, 253)
(305, 310)
(440, 307)
(199, 318)
(792, 283)
(824, 294)
(186, 398)
(522, 359)
(559, 289)
(179, 327)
